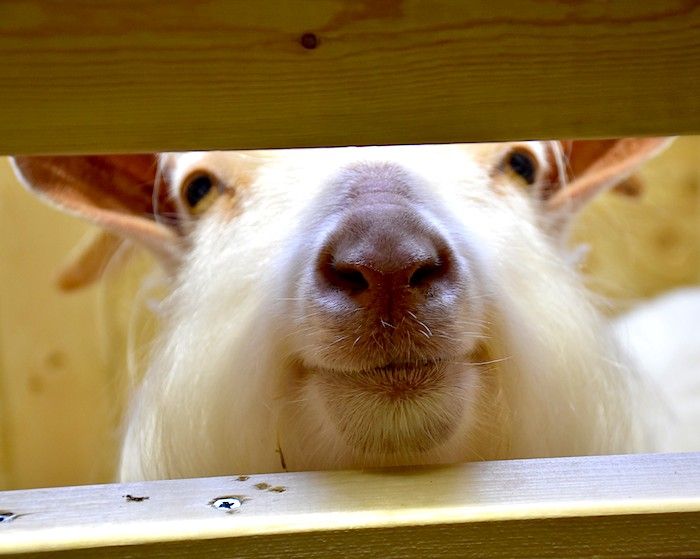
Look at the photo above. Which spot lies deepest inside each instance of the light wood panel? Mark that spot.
(642, 246)
(149, 75)
(57, 383)
(602, 506)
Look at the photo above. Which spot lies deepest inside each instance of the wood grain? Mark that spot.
(616, 506)
(118, 76)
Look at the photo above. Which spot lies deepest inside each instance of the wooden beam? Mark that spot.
(146, 75)
(616, 506)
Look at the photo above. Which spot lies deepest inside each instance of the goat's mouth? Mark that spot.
(396, 408)
(392, 380)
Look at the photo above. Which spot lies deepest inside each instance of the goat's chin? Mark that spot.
(399, 410)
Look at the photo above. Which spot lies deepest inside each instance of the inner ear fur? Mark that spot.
(115, 192)
(593, 166)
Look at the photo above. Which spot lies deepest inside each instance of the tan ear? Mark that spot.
(594, 166)
(113, 192)
(88, 260)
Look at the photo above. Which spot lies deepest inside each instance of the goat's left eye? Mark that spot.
(523, 164)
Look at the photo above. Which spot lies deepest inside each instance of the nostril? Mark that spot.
(349, 278)
(343, 276)
(427, 273)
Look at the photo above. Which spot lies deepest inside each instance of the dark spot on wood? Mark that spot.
(632, 187)
(57, 359)
(135, 499)
(278, 489)
(667, 238)
(7, 516)
(309, 41)
(35, 384)
(262, 486)
(242, 478)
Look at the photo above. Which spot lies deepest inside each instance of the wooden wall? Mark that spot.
(55, 378)
(62, 356)
(644, 245)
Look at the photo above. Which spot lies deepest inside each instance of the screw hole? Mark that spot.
(226, 503)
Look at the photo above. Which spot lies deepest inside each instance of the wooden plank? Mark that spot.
(618, 506)
(148, 75)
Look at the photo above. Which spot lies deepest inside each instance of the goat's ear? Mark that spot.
(113, 192)
(593, 166)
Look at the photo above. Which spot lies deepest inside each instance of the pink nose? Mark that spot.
(386, 258)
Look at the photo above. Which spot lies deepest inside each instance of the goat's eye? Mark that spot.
(199, 191)
(523, 164)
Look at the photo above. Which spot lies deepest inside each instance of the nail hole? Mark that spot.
(242, 478)
(262, 486)
(278, 489)
(132, 498)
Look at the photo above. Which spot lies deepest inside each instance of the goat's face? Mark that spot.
(361, 306)
(378, 267)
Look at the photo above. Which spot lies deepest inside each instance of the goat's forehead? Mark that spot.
(318, 163)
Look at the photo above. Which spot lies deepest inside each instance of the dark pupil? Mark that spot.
(523, 165)
(198, 189)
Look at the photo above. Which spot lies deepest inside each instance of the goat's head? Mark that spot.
(364, 291)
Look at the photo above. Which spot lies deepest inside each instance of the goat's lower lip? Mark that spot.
(394, 380)
(408, 366)
(389, 368)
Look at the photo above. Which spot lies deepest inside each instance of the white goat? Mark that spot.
(349, 307)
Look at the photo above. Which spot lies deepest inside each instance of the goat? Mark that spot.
(360, 307)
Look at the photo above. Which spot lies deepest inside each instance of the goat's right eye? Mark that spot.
(199, 191)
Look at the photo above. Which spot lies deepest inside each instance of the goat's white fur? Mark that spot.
(222, 392)
(662, 338)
